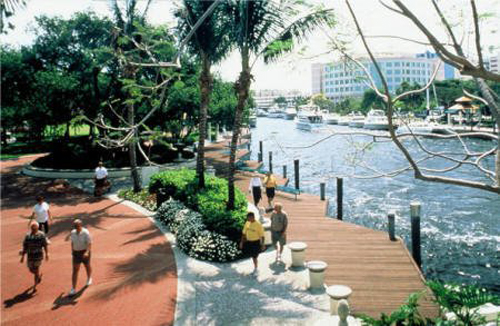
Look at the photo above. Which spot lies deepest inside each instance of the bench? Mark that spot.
(289, 190)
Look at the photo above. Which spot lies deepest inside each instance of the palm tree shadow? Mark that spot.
(149, 266)
(67, 300)
(21, 297)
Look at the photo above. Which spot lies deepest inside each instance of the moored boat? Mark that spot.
(376, 120)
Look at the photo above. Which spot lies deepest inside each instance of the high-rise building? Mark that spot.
(264, 98)
(343, 79)
(493, 63)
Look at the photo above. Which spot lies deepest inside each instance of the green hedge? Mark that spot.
(210, 202)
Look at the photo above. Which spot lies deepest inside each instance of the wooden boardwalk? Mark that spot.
(380, 272)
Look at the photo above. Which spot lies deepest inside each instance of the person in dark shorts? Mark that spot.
(35, 242)
(41, 213)
(252, 239)
(270, 183)
(81, 244)
(279, 224)
(255, 188)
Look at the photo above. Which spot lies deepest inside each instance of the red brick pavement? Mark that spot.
(135, 277)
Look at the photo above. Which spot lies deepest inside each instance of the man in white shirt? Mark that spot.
(100, 179)
(41, 211)
(81, 244)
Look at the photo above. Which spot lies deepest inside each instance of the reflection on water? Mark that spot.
(460, 228)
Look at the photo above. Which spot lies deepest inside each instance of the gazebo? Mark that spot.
(463, 106)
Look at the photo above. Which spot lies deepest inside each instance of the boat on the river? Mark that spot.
(290, 113)
(276, 112)
(308, 118)
(376, 120)
(357, 120)
(331, 118)
(261, 113)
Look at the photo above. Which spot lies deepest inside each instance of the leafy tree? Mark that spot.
(412, 101)
(281, 101)
(323, 102)
(371, 100)
(264, 28)
(300, 100)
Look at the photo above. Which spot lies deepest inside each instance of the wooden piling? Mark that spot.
(392, 226)
(415, 232)
(297, 176)
(322, 190)
(271, 161)
(340, 195)
(284, 171)
(260, 156)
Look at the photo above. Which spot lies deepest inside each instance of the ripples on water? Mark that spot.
(460, 228)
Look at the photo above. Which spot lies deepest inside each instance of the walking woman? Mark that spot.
(270, 183)
(41, 212)
(255, 188)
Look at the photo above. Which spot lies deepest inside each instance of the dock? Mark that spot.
(381, 273)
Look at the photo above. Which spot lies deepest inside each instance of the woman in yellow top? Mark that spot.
(270, 183)
(252, 239)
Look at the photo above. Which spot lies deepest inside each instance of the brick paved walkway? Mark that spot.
(135, 278)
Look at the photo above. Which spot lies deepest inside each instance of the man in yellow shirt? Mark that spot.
(252, 239)
(270, 183)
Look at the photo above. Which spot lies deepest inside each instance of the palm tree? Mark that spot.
(7, 9)
(267, 29)
(210, 42)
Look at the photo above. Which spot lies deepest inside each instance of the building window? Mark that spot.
(389, 64)
(396, 64)
(398, 79)
(389, 79)
(389, 72)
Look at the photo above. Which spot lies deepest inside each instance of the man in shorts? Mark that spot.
(279, 224)
(252, 239)
(34, 244)
(81, 244)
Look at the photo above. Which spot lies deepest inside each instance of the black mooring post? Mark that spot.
(340, 195)
(297, 176)
(415, 232)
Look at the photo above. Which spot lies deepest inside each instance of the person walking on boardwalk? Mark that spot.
(252, 239)
(41, 211)
(35, 242)
(255, 188)
(270, 183)
(279, 224)
(81, 244)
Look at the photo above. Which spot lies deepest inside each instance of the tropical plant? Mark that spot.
(210, 43)
(265, 29)
(7, 9)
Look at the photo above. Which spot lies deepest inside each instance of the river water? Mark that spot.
(460, 226)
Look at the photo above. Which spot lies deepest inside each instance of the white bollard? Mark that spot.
(337, 293)
(298, 253)
(266, 224)
(316, 273)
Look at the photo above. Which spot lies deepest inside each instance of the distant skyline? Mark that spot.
(293, 71)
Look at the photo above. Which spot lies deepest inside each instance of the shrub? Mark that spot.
(210, 202)
(192, 236)
(143, 198)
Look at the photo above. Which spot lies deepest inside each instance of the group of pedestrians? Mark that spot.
(256, 185)
(253, 241)
(36, 245)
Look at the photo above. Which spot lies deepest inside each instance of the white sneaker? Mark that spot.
(72, 292)
(89, 281)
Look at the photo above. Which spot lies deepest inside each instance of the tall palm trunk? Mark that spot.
(205, 89)
(242, 88)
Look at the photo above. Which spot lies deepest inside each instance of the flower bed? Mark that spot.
(210, 202)
(192, 235)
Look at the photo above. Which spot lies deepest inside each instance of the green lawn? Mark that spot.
(74, 131)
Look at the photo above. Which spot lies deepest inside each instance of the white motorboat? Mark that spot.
(261, 113)
(423, 128)
(275, 112)
(344, 120)
(331, 118)
(376, 120)
(308, 118)
(290, 113)
(357, 121)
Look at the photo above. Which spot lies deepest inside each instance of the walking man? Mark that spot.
(100, 179)
(252, 239)
(279, 224)
(41, 212)
(34, 244)
(81, 244)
